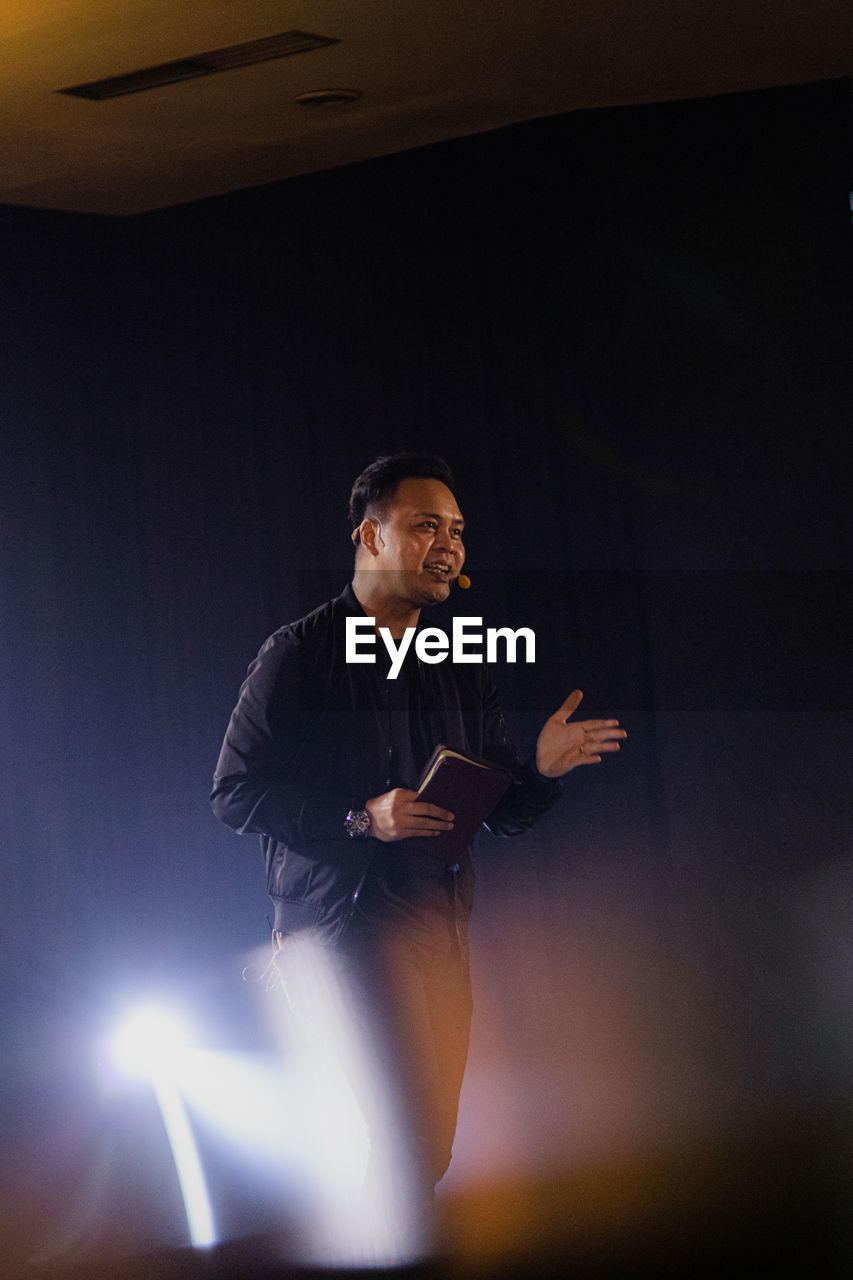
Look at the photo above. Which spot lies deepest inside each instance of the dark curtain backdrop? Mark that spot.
(629, 333)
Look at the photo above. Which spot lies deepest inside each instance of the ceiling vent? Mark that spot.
(201, 64)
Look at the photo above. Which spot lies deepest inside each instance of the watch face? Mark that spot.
(358, 822)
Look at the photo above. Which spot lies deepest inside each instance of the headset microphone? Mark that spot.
(464, 581)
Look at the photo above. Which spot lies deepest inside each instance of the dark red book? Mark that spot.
(466, 785)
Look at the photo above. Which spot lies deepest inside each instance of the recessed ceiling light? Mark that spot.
(326, 97)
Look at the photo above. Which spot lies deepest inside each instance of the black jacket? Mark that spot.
(307, 742)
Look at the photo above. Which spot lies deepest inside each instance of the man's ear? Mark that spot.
(369, 536)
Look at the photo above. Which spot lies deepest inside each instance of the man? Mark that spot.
(321, 760)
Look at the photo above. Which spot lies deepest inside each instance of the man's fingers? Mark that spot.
(422, 809)
(570, 706)
(412, 825)
(423, 819)
(589, 725)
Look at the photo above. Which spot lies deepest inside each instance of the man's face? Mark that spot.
(419, 542)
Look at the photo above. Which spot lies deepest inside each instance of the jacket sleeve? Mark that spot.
(533, 794)
(266, 780)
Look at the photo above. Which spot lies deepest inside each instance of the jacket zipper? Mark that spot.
(388, 761)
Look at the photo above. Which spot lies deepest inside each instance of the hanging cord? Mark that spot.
(270, 974)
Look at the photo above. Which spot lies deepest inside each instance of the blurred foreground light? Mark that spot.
(342, 1087)
(150, 1045)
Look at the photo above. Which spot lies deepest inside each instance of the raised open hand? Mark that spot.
(562, 746)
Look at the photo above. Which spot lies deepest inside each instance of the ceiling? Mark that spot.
(427, 70)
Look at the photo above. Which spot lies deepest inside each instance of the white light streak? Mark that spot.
(150, 1045)
(187, 1163)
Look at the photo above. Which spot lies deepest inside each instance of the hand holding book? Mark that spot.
(466, 785)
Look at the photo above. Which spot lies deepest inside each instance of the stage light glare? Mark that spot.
(149, 1041)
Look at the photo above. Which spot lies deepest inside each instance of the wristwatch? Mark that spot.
(357, 824)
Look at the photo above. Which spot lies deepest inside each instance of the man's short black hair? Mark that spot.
(376, 485)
